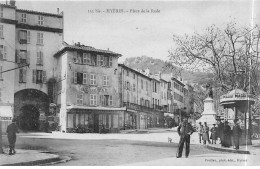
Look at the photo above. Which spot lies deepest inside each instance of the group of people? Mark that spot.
(222, 131)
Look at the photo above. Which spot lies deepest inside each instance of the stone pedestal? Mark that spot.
(209, 114)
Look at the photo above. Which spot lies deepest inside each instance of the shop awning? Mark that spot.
(6, 112)
(96, 108)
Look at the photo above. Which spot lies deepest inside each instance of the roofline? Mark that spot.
(178, 81)
(134, 71)
(70, 48)
(7, 6)
(40, 13)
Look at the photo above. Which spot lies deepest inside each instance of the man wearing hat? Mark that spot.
(236, 134)
(213, 135)
(11, 131)
(185, 129)
(200, 131)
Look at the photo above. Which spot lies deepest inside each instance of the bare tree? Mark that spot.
(225, 53)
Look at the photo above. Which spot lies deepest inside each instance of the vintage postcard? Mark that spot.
(129, 83)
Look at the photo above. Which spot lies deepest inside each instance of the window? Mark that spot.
(110, 100)
(40, 38)
(22, 75)
(106, 80)
(23, 57)
(93, 99)
(1, 74)
(110, 61)
(39, 76)
(134, 87)
(24, 36)
(39, 58)
(85, 78)
(105, 61)
(142, 84)
(1, 31)
(80, 99)
(146, 86)
(106, 100)
(101, 60)
(3, 52)
(93, 79)
(1, 12)
(23, 18)
(78, 78)
(86, 58)
(40, 20)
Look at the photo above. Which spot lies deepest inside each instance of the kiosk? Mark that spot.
(237, 105)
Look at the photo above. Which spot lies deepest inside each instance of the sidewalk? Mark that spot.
(28, 158)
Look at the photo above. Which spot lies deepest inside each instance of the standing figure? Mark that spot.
(227, 135)
(205, 135)
(221, 131)
(11, 131)
(200, 131)
(213, 135)
(236, 134)
(185, 129)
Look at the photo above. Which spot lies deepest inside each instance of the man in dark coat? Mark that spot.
(213, 135)
(236, 134)
(205, 135)
(11, 131)
(227, 135)
(185, 129)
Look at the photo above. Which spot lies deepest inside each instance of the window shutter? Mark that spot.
(110, 61)
(110, 100)
(98, 60)
(44, 78)
(85, 78)
(38, 58)
(20, 75)
(75, 58)
(5, 53)
(17, 56)
(42, 56)
(101, 60)
(28, 57)
(28, 36)
(24, 75)
(34, 76)
(102, 99)
(108, 80)
(75, 77)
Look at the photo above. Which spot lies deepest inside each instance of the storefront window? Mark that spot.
(115, 121)
(70, 121)
(86, 119)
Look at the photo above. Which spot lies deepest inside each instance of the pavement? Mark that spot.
(247, 155)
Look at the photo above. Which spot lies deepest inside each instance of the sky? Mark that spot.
(137, 34)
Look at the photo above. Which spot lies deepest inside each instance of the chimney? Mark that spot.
(12, 3)
(58, 11)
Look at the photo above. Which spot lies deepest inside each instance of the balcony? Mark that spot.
(142, 108)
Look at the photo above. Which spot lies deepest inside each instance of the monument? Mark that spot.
(209, 114)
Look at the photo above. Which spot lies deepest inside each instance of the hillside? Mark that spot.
(157, 65)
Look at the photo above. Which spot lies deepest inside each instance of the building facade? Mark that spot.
(7, 62)
(29, 41)
(87, 91)
(137, 94)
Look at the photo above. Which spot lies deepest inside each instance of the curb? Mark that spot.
(49, 161)
(228, 150)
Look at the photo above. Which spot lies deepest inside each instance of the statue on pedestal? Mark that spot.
(209, 92)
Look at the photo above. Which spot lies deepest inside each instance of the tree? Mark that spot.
(230, 54)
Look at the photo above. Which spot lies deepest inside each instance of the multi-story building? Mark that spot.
(7, 62)
(87, 80)
(29, 41)
(137, 93)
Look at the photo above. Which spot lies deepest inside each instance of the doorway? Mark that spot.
(28, 120)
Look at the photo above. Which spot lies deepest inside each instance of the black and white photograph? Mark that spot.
(129, 83)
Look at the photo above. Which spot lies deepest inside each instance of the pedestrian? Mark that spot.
(227, 135)
(185, 129)
(11, 131)
(236, 134)
(205, 135)
(221, 131)
(213, 134)
(200, 131)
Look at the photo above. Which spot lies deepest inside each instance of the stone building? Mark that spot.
(139, 93)
(30, 39)
(87, 92)
(7, 61)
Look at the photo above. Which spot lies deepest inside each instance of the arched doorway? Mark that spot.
(29, 104)
(29, 118)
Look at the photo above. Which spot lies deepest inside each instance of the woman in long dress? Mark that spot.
(227, 135)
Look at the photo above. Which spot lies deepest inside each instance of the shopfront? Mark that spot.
(95, 119)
